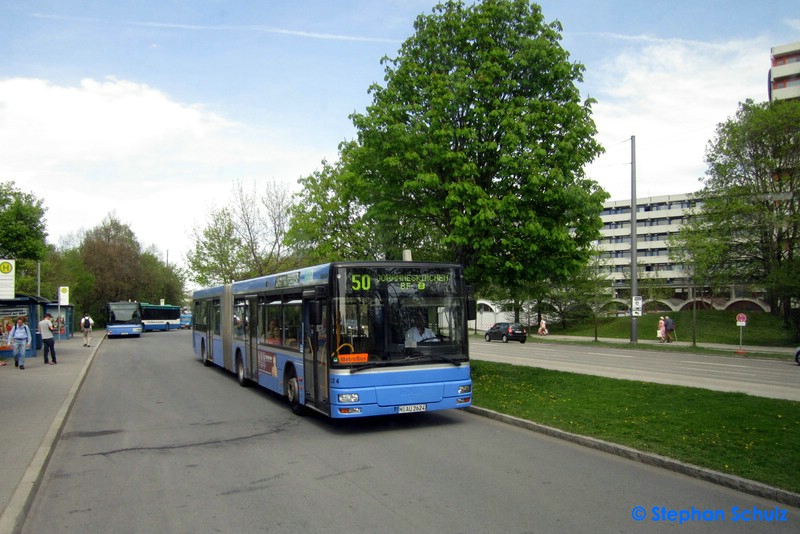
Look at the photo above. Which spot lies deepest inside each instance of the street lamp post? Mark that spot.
(634, 274)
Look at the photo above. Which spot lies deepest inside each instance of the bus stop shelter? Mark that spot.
(31, 309)
(63, 319)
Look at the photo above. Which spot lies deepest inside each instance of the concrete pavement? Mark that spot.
(35, 404)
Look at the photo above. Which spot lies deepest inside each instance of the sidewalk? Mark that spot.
(35, 404)
(752, 350)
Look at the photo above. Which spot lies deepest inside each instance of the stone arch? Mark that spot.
(701, 303)
(745, 305)
(657, 306)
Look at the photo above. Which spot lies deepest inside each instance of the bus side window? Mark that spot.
(272, 320)
(291, 321)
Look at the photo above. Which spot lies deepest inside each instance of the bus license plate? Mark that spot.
(411, 408)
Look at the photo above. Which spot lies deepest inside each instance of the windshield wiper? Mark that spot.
(445, 359)
(417, 355)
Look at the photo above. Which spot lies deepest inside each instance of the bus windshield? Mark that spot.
(124, 313)
(396, 316)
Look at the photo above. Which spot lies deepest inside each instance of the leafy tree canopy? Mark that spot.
(111, 266)
(218, 251)
(22, 224)
(473, 151)
(751, 197)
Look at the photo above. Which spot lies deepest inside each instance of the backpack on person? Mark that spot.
(13, 334)
(87, 323)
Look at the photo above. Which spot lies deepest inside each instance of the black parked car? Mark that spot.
(506, 332)
(797, 356)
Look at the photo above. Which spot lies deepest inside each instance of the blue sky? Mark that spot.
(151, 110)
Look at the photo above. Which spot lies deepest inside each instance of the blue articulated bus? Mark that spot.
(160, 317)
(346, 339)
(124, 319)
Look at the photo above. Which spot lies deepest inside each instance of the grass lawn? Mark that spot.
(710, 326)
(751, 437)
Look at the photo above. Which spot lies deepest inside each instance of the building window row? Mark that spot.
(645, 208)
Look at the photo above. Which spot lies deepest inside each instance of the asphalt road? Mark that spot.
(158, 443)
(778, 379)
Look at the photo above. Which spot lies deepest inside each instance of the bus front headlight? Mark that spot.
(348, 397)
(464, 389)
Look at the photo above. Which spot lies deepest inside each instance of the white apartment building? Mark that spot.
(784, 76)
(656, 219)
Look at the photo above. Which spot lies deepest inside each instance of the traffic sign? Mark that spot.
(741, 319)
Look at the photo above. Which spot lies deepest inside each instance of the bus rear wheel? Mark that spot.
(240, 371)
(293, 393)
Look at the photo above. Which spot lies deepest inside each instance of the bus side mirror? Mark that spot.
(314, 312)
(472, 309)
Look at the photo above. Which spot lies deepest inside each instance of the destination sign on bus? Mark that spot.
(287, 280)
(364, 282)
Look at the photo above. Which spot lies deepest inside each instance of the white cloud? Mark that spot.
(98, 122)
(123, 147)
(670, 95)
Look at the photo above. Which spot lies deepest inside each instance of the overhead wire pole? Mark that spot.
(634, 273)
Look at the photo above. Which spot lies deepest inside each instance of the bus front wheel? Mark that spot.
(240, 371)
(293, 393)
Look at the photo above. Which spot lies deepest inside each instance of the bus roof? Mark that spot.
(308, 276)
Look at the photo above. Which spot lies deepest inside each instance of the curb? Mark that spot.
(14, 514)
(715, 477)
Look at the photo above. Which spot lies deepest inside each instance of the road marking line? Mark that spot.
(718, 371)
(719, 364)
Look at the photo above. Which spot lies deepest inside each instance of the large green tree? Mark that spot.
(110, 265)
(474, 149)
(218, 252)
(22, 224)
(751, 198)
(111, 253)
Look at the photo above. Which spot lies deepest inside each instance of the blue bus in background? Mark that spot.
(160, 317)
(124, 319)
(346, 339)
(186, 320)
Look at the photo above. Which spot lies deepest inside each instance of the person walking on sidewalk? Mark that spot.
(86, 328)
(669, 326)
(20, 336)
(48, 341)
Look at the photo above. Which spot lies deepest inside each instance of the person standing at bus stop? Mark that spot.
(20, 336)
(86, 328)
(48, 341)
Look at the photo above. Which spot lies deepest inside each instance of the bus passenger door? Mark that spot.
(213, 327)
(315, 349)
(251, 365)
